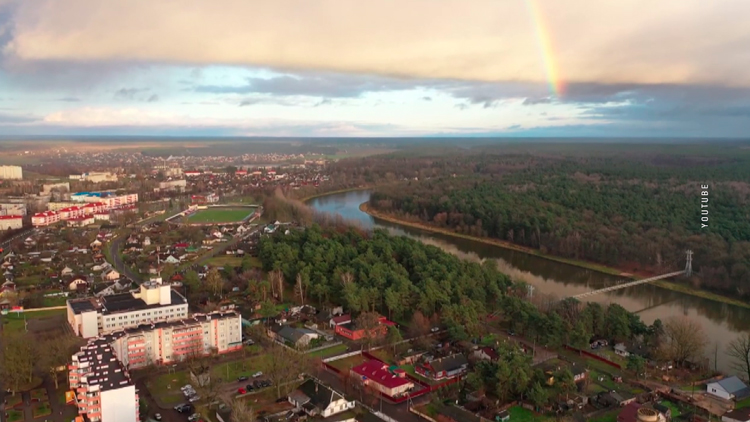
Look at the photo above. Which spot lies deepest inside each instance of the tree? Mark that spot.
(370, 323)
(538, 395)
(636, 364)
(503, 377)
(394, 338)
(241, 410)
(684, 340)
(55, 353)
(18, 357)
(419, 325)
(565, 382)
(285, 365)
(738, 351)
(214, 281)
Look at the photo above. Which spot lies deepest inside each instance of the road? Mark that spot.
(115, 247)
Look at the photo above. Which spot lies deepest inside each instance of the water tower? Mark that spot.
(646, 414)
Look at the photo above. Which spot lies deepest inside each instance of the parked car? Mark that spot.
(157, 416)
(434, 329)
(257, 384)
(257, 374)
(184, 408)
(242, 378)
(241, 391)
(194, 399)
(194, 417)
(249, 387)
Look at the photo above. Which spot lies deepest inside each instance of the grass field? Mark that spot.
(167, 387)
(347, 363)
(16, 321)
(519, 414)
(329, 351)
(220, 215)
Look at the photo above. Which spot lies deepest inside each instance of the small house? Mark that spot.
(318, 400)
(737, 415)
(447, 367)
(731, 388)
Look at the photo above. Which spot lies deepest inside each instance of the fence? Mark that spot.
(593, 356)
(323, 347)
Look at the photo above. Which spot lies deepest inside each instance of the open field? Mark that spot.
(220, 215)
(167, 387)
(225, 261)
(519, 414)
(344, 365)
(329, 351)
(38, 322)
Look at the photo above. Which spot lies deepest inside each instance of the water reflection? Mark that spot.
(721, 321)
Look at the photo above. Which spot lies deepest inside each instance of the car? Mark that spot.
(257, 374)
(194, 417)
(186, 387)
(434, 329)
(249, 387)
(242, 378)
(157, 416)
(183, 408)
(257, 384)
(194, 399)
(241, 391)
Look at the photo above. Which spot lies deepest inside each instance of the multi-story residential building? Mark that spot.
(173, 185)
(11, 222)
(11, 172)
(107, 198)
(57, 206)
(45, 218)
(95, 177)
(103, 388)
(81, 221)
(13, 209)
(154, 302)
(173, 341)
(211, 198)
(73, 212)
(192, 173)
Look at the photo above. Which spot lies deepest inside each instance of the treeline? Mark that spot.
(634, 213)
(378, 272)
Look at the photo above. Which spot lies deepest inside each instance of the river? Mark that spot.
(721, 322)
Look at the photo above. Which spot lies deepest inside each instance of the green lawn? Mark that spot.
(42, 409)
(15, 321)
(220, 215)
(54, 301)
(347, 363)
(232, 370)
(13, 400)
(742, 403)
(167, 387)
(519, 414)
(14, 416)
(673, 407)
(329, 351)
(607, 417)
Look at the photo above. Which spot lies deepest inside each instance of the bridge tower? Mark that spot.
(689, 263)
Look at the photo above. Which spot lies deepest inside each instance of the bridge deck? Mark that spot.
(629, 284)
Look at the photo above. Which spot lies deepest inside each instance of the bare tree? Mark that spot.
(738, 351)
(214, 281)
(18, 356)
(370, 323)
(241, 410)
(55, 353)
(684, 340)
(285, 365)
(300, 288)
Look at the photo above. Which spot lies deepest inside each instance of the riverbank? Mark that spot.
(333, 192)
(578, 263)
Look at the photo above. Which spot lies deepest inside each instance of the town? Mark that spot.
(197, 292)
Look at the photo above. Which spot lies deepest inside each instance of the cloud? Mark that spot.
(152, 99)
(16, 119)
(535, 101)
(69, 99)
(607, 41)
(129, 93)
(427, 98)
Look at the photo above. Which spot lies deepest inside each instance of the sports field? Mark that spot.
(220, 215)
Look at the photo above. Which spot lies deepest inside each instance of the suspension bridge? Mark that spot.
(620, 285)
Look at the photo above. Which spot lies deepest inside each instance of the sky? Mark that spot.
(601, 68)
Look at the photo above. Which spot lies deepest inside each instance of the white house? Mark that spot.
(111, 275)
(66, 271)
(316, 399)
(731, 388)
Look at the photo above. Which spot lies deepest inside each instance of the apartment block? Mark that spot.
(11, 222)
(13, 209)
(173, 341)
(102, 385)
(45, 218)
(11, 172)
(154, 302)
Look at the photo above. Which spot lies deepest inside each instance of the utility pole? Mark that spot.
(689, 263)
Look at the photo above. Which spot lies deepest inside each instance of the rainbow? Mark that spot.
(545, 45)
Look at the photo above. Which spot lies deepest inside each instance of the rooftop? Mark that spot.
(104, 368)
(122, 302)
(378, 372)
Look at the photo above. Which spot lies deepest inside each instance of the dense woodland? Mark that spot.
(412, 282)
(635, 207)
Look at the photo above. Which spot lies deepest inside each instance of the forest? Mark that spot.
(637, 208)
(409, 281)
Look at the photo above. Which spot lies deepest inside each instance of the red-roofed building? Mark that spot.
(341, 319)
(486, 353)
(11, 222)
(242, 173)
(629, 413)
(45, 218)
(81, 221)
(192, 173)
(350, 331)
(376, 375)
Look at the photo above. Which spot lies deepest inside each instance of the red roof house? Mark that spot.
(376, 375)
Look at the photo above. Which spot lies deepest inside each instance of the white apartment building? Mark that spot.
(104, 391)
(13, 209)
(154, 302)
(167, 342)
(176, 185)
(45, 218)
(11, 222)
(95, 177)
(11, 172)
